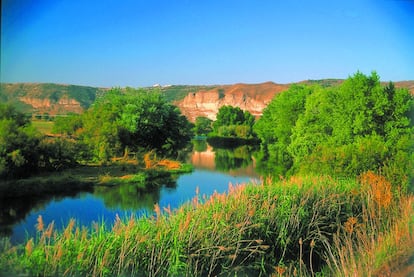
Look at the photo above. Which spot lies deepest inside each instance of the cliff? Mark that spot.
(250, 97)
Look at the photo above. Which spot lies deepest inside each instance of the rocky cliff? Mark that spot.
(62, 106)
(250, 97)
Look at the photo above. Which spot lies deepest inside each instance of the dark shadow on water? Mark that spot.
(15, 209)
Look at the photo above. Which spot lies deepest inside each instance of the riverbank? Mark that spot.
(85, 177)
(303, 225)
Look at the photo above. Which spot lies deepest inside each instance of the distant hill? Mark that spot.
(52, 99)
(193, 101)
(178, 92)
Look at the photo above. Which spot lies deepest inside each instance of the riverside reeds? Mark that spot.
(293, 227)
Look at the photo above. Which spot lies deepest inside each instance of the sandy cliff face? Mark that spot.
(253, 98)
(63, 105)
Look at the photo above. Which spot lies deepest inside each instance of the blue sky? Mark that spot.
(140, 43)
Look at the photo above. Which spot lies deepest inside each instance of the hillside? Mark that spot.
(53, 99)
(193, 101)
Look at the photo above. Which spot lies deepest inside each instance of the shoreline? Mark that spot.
(85, 178)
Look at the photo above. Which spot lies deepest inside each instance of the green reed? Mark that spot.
(301, 226)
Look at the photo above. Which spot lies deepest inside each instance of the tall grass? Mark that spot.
(296, 227)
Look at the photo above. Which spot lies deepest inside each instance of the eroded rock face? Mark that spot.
(252, 98)
(63, 105)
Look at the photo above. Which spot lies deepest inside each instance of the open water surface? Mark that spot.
(214, 170)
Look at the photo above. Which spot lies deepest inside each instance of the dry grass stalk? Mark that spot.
(29, 247)
(40, 225)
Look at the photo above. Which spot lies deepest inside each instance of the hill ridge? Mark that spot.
(193, 100)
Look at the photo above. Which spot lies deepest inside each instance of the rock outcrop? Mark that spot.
(62, 106)
(249, 97)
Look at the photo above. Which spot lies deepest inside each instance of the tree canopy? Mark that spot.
(130, 119)
(19, 143)
(203, 126)
(233, 122)
(345, 130)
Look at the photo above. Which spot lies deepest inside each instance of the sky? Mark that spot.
(140, 43)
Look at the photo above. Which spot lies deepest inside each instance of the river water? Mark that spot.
(214, 170)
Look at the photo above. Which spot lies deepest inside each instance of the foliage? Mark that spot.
(345, 130)
(44, 127)
(19, 143)
(128, 120)
(203, 126)
(58, 153)
(233, 122)
(275, 126)
(67, 125)
(301, 226)
(152, 123)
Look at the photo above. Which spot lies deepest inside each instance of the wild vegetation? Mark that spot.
(232, 127)
(124, 121)
(346, 130)
(233, 122)
(118, 123)
(299, 226)
(19, 143)
(353, 223)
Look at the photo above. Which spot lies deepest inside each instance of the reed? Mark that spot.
(297, 227)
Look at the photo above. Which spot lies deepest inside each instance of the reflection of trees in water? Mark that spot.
(268, 165)
(13, 210)
(200, 145)
(227, 159)
(129, 196)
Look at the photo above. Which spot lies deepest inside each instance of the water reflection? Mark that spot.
(200, 145)
(215, 168)
(130, 197)
(235, 161)
(228, 159)
(16, 209)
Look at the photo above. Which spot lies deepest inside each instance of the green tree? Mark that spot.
(345, 130)
(151, 123)
(19, 143)
(233, 122)
(275, 126)
(203, 126)
(138, 120)
(352, 129)
(67, 125)
(101, 129)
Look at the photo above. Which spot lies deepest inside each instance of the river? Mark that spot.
(214, 170)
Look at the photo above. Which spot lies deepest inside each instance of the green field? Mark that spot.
(45, 127)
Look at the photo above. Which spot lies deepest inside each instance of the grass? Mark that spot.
(297, 227)
(45, 127)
